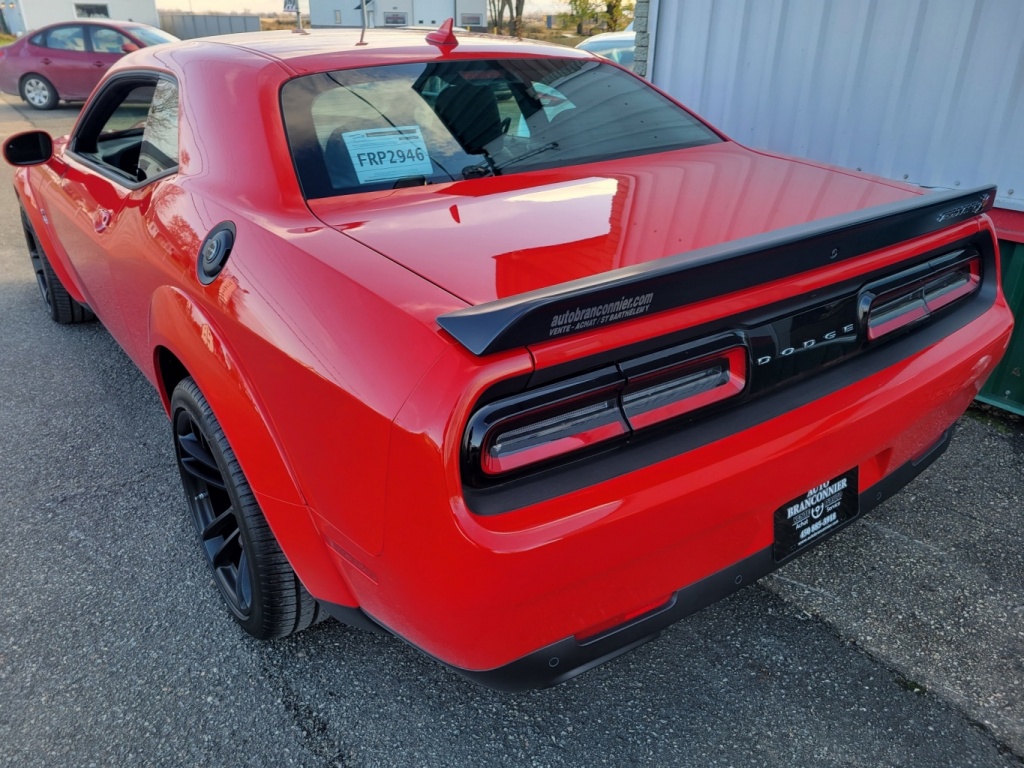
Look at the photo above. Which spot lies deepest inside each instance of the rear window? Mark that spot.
(152, 36)
(65, 39)
(413, 124)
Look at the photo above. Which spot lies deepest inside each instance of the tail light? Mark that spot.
(583, 425)
(593, 411)
(915, 294)
(684, 387)
(547, 423)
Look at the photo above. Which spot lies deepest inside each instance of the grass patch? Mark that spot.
(272, 23)
(7, 39)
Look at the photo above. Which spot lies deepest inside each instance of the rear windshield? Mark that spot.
(413, 124)
(152, 36)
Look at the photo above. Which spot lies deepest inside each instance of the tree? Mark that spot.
(580, 11)
(497, 9)
(515, 23)
(614, 14)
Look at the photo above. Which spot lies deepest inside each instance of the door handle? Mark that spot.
(44, 61)
(102, 219)
(97, 63)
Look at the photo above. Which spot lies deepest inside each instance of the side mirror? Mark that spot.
(29, 148)
(129, 47)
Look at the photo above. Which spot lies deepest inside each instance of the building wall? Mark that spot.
(348, 13)
(190, 25)
(38, 13)
(928, 91)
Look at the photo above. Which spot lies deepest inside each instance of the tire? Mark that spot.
(38, 92)
(59, 305)
(253, 576)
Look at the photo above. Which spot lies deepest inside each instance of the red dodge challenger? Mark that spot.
(493, 346)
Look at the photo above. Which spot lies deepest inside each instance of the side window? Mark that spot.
(159, 150)
(106, 40)
(66, 39)
(129, 115)
(131, 130)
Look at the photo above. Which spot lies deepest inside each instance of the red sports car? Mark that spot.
(67, 60)
(520, 380)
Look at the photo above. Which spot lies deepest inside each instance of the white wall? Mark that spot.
(38, 13)
(931, 91)
(325, 13)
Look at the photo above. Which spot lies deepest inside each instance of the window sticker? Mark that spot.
(388, 154)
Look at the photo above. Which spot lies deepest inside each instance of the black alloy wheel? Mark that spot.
(253, 576)
(59, 305)
(213, 514)
(36, 257)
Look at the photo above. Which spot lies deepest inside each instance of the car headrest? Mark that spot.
(470, 113)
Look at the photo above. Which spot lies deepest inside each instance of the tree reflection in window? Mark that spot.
(160, 137)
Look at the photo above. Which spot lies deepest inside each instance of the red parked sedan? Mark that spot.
(67, 60)
(520, 380)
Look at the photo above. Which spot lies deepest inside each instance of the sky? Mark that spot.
(275, 6)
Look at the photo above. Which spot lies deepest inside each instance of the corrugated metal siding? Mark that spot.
(931, 91)
(190, 25)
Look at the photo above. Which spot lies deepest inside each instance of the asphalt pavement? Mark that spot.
(899, 642)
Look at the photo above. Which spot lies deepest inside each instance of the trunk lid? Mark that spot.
(494, 238)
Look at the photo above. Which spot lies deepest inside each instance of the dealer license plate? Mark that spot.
(815, 514)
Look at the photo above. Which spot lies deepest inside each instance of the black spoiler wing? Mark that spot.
(685, 278)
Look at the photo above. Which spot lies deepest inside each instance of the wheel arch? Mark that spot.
(27, 75)
(187, 343)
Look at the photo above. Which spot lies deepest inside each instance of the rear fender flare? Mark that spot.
(181, 327)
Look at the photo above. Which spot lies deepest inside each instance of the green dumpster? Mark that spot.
(1005, 387)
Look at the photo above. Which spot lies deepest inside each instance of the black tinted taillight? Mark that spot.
(593, 411)
(914, 295)
(684, 388)
(547, 423)
(542, 437)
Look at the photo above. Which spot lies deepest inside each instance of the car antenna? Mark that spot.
(362, 35)
(443, 37)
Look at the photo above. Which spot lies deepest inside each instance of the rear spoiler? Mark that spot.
(685, 278)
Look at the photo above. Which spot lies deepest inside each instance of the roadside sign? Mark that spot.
(291, 6)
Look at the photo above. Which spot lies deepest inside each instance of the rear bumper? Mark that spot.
(569, 657)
